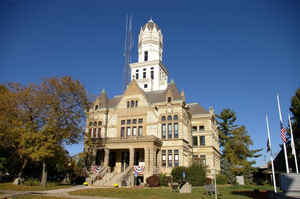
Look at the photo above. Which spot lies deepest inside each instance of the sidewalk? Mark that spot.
(56, 192)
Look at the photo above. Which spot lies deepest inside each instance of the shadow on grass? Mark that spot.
(256, 194)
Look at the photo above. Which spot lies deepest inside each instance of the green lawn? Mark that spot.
(230, 192)
(38, 197)
(50, 186)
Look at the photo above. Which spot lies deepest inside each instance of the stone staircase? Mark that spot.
(112, 178)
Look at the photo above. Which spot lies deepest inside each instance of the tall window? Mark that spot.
(99, 123)
(94, 132)
(169, 131)
(99, 133)
(137, 74)
(175, 117)
(163, 158)
(203, 160)
(136, 103)
(163, 118)
(146, 56)
(169, 99)
(134, 131)
(144, 73)
(202, 140)
(175, 130)
(176, 158)
(132, 103)
(152, 74)
(128, 131)
(90, 132)
(128, 104)
(169, 117)
(140, 131)
(96, 107)
(163, 131)
(170, 158)
(122, 132)
(195, 140)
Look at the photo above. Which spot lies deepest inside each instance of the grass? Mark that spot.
(50, 186)
(230, 192)
(38, 197)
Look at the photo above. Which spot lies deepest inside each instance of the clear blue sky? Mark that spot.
(226, 54)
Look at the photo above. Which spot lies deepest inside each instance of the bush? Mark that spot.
(32, 182)
(196, 174)
(153, 181)
(177, 174)
(164, 180)
(221, 179)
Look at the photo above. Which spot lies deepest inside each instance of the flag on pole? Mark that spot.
(283, 132)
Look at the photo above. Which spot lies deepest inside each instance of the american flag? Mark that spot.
(283, 131)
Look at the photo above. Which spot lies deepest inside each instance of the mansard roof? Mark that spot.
(195, 108)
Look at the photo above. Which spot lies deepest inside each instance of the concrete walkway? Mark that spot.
(56, 193)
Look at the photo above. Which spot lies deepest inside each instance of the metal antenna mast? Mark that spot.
(128, 47)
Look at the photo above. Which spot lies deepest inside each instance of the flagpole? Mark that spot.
(284, 145)
(293, 144)
(270, 145)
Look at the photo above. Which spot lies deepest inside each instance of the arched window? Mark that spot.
(163, 118)
(132, 103)
(136, 103)
(169, 99)
(95, 123)
(99, 123)
(128, 104)
(91, 123)
(96, 107)
(169, 117)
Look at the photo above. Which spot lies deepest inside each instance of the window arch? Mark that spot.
(163, 118)
(169, 117)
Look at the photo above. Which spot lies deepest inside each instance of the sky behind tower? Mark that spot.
(226, 54)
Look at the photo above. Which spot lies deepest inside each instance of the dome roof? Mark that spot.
(150, 25)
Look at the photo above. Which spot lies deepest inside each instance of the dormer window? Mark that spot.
(146, 56)
(169, 99)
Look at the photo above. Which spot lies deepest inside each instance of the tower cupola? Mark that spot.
(150, 42)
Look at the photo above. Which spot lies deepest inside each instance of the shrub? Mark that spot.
(32, 182)
(196, 174)
(164, 180)
(177, 174)
(221, 179)
(153, 181)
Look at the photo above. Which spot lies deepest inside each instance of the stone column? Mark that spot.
(131, 156)
(146, 159)
(106, 157)
(159, 160)
(94, 153)
(151, 162)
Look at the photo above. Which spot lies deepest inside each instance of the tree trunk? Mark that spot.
(20, 174)
(44, 174)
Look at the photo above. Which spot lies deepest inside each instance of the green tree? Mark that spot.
(235, 149)
(295, 109)
(47, 116)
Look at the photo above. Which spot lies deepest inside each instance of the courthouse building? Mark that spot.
(150, 126)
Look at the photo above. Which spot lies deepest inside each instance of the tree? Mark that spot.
(295, 109)
(235, 147)
(47, 117)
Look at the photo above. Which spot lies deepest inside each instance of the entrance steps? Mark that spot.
(111, 178)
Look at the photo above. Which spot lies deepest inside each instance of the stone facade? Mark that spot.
(152, 127)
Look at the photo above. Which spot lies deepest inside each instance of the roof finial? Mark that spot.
(151, 19)
(172, 81)
(103, 90)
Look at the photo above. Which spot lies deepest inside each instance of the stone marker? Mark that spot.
(240, 180)
(186, 188)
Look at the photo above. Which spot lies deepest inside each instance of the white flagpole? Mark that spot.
(270, 145)
(284, 145)
(293, 145)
